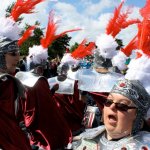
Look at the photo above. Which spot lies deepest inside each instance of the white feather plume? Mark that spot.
(139, 69)
(9, 28)
(67, 58)
(106, 45)
(37, 54)
(119, 60)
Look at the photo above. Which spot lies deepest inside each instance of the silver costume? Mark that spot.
(94, 139)
(27, 78)
(65, 87)
(92, 81)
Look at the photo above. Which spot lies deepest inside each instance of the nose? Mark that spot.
(113, 106)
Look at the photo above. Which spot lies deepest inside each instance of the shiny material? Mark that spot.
(65, 87)
(91, 81)
(96, 137)
(27, 78)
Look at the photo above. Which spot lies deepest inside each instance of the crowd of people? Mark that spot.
(101, 103)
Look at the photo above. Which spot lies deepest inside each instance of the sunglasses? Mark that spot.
(118, 106)
(13, 53)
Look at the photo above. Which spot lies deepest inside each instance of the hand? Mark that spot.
(54, 88)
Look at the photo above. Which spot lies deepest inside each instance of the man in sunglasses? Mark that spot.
(123, 116)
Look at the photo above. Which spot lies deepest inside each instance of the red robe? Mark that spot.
(11, 135)
(71, 108)
(99, 98)
(43, 118)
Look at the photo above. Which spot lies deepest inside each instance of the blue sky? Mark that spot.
(90, 15)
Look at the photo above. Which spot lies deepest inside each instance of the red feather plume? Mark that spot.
(26, 35)
(145, 10)
(144, 36)
(83, 50)
(119, 21)
(23, 6)
(133, 44)
(51, 32)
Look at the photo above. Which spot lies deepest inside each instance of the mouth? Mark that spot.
(112, 119)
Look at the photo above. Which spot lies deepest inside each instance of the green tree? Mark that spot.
(73, 47)
(59, 46)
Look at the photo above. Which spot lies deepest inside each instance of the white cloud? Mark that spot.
(95, 8)
(93, 18)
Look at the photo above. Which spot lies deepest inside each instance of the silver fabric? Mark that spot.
(65, 87)
(27, 78)
(92, 81)
(94, 139)
(133, 90)
(72, 75)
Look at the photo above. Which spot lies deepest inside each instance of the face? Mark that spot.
(118, 123)
(12, 58)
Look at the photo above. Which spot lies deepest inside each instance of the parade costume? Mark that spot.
(11, 135)
(44, 122)
(94, 139)
(135, 87)
(11, 90)
(46, 125)
(67, 96)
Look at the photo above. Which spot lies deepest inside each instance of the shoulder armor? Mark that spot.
(65, 87)
(28, 78)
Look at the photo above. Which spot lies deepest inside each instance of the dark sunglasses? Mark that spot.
(119, 106)
(13, 53)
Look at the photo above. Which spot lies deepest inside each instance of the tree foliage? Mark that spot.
(73, 47)
(59, 46)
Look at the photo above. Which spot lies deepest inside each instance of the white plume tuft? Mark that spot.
(67, 58)
(37, 54)
(139, 69)
(9, 28)
(119, 60)
(106, 45)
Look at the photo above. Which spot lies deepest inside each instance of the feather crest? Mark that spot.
(119, 21)
(83, 50)
(144, 36)
(23, 6)
(26, 35)
(145, 10)
(133, 44)
(51, 32)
